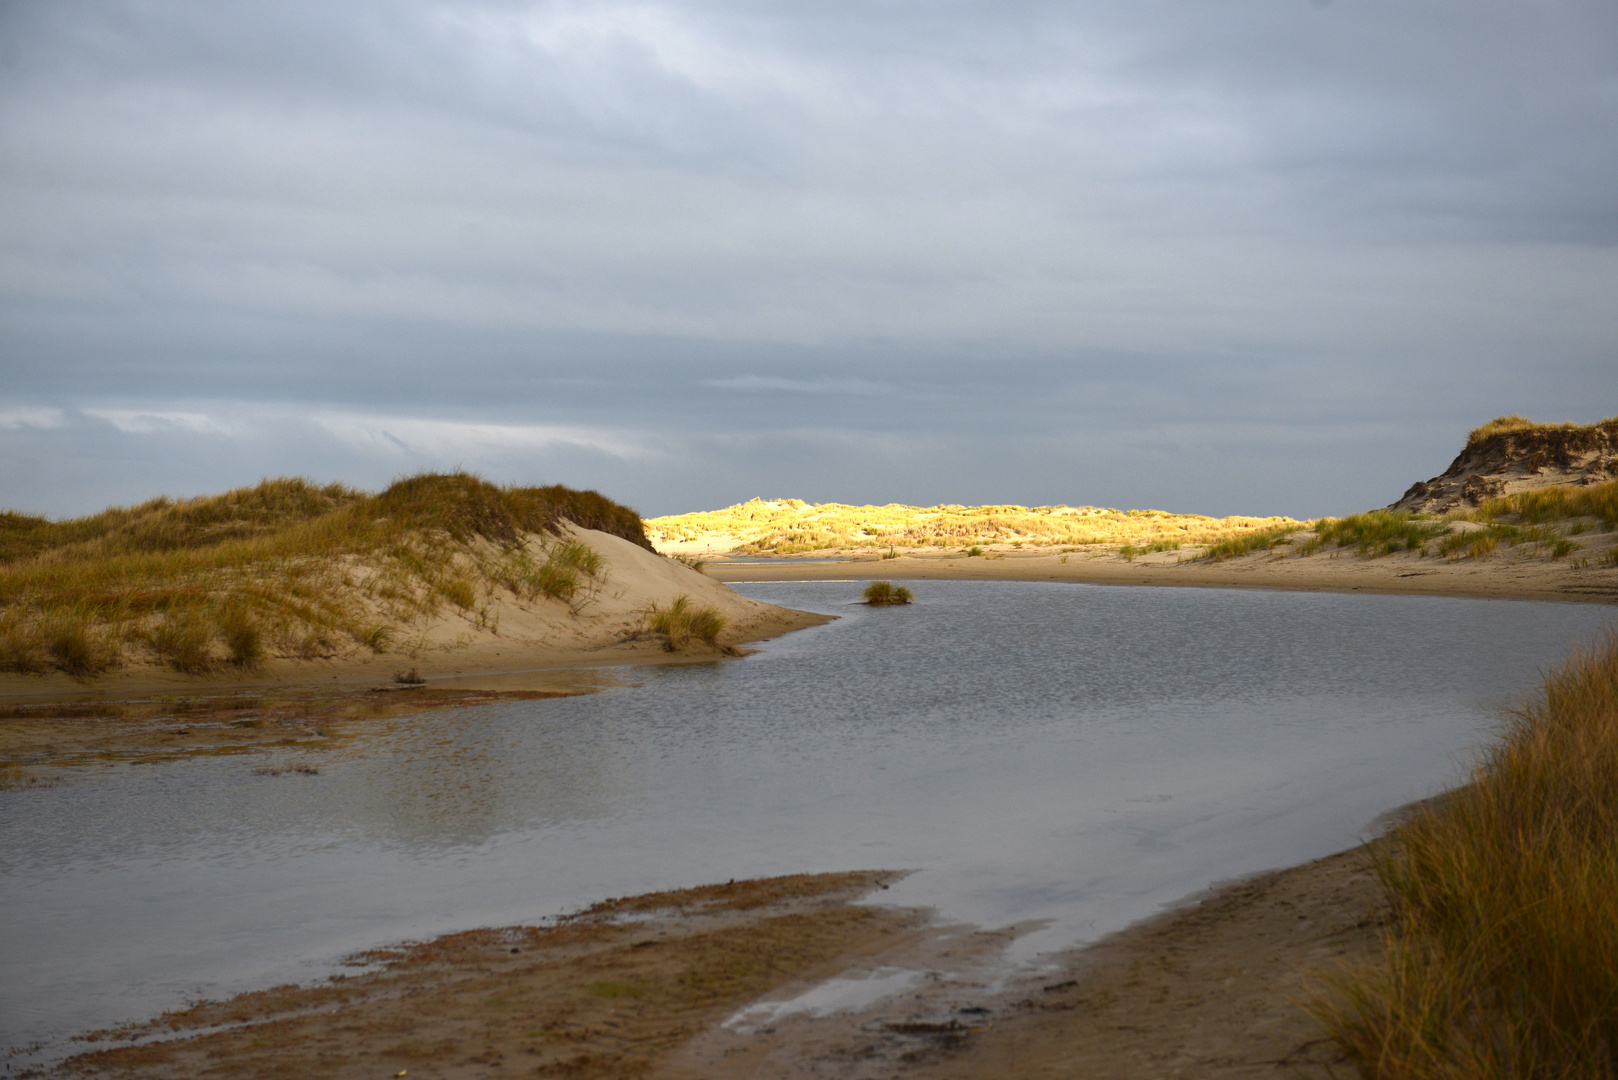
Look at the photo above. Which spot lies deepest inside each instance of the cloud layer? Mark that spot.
(1255, 256)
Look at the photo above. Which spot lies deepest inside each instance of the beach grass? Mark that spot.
(1246, 543)
(1563, 502)
(1502, 957)
(283, 568)
(1380, 532)
(680, 622)
(883, 593)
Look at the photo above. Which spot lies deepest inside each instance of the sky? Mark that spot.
(1247, 256)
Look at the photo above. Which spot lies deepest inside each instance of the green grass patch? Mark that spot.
(1379, 532)
(1560, 503)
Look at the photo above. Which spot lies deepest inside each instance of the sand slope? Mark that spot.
(506, 634)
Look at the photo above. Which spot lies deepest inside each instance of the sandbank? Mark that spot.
(1512, 574)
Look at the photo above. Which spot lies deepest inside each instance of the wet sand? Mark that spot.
(670, 985)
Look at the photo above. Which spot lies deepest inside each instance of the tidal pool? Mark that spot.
(1073, 755)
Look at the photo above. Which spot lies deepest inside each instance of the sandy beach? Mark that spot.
(1513, 574)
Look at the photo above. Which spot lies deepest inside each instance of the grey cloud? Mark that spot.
(1010, 238)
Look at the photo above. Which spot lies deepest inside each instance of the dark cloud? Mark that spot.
(1267, 256)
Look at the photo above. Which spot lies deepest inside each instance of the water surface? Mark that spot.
(1037, 751)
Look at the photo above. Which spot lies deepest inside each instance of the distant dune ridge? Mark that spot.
(792, 526)
(1511, 455)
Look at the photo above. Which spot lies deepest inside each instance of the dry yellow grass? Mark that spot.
(1502, 425)
(791, 526)
(1502, 960)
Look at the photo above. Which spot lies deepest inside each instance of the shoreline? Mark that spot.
(1512, 575)
(722, 982)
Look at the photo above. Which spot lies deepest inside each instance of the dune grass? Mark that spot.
(283, 568)
(1380, 532)
(1259, 540)
(1514, 424)
(1502, 958)
(1561, 503)
(791, 526)
(681, 622)
(885, 593)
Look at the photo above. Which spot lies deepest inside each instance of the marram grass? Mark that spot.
(681, 622)
(1502, 957)
(286, 568)
(886, 593)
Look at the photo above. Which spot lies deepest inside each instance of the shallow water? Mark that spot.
(1069, 753)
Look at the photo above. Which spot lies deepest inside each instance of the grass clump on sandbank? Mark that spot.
(1502, 957)
(885, 593)
(284, 568)
(681, 622)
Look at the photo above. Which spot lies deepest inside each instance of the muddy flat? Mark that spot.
(702, 982)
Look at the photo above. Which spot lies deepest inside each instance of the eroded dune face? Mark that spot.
(1510, 461)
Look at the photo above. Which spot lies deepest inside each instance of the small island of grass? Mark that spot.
(886, 593)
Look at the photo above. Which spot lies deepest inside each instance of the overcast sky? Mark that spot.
(1222, 256)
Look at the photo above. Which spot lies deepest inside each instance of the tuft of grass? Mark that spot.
(460, 592)
(244, 639)
(1502, 960)
(690, 561)
(1379, 532)
(1562, 546)
(183, 640)
(974, 552)
(1245, 543)
(681, 622)
(76, 649)
(376, 637)
(1468, 545)
(883, 593)
(1129, 551)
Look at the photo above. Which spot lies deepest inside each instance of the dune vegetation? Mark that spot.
(1544, 520)
(680, 622)
(1502, 956)
(792, 527)
(285, 568)
(1517, 425)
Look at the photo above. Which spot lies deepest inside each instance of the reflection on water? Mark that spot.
(1038, 751)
